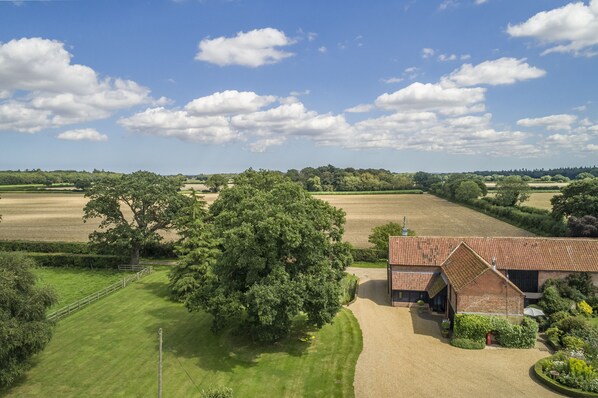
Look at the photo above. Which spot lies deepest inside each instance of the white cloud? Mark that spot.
(592, 147)
(41, 88)
(228, 102)
(495, 72)
(447, 4)
(551, 123)
(254, 48)
(361, 108)
(434, 97)
(478, 2)
(82, 135)
(311, 36)
(571, 28)
(182, 125)
(412, 72)
(427, 52)
(392, 80)
(465, 57)
(581, 108)
(447, 57)
(322, 50)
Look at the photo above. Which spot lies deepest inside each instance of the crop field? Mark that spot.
(73, 284)
(541, 200)
(58, 217)
(110, 349)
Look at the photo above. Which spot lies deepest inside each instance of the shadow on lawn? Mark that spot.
(189, 335)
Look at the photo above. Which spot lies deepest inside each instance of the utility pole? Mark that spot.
(160, 366)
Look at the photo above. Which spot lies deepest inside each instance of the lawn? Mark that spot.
(110, 349)
(73, 284)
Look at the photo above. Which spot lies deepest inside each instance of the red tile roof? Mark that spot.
(464, 265)
(418, 281)
(543, 254)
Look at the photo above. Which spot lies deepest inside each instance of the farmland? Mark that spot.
(540, 200)
(58, 216)
(110, 349)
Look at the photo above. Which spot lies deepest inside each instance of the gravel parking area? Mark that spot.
(404, 355)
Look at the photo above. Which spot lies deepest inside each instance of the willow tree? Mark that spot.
(133, 208)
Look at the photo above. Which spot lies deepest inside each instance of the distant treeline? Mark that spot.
(569, 172)
(330, 178)
(18, 177)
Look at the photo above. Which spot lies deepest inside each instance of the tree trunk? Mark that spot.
(135, 255)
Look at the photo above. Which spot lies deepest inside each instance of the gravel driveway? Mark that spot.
(405, 356)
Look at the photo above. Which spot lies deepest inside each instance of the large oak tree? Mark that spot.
(281, 255)
(133, 208)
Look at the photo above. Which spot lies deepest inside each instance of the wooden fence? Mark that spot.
(85, 301)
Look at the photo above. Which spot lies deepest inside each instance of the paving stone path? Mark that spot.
(405, 356)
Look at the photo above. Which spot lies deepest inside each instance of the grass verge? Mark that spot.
(364, 264)
(109, 349)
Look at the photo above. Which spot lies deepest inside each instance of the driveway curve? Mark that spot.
(405, 356)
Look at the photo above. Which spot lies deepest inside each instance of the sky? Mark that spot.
(187, 86)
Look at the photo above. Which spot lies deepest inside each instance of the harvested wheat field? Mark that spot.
(426, 214)
(58, 216)
(541, 200)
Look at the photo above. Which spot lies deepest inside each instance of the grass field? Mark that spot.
(73, 284)
(59, 217)
(541, 200)
(110, 349)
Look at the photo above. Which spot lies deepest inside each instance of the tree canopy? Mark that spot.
(380, 234)
(216, 182)
(281, 255)
(133, 208)
(578, 199)
(24, 329)
(511, 191)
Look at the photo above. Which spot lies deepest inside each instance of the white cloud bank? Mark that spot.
(572, 28)
(40, 88)
(496, 72)
(552, 122)
(252, 49)
(82, 135)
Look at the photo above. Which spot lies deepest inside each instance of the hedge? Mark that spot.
(44, 247)
(468, 344)
(553, 384)
(348, 288)
(151, 250)
(70, 260)
(475, 327)
(369, 255)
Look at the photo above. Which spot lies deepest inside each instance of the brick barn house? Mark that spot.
(491, 276)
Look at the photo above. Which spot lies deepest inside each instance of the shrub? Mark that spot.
(515, 336)
(468, 344)
(472, 327)
(554, 337)
(553, 302)
(584, 308)
(573, 343)
(218, 392)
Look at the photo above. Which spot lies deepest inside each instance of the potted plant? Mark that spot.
(445, 327)
(421, 306)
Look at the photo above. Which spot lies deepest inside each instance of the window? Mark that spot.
(409, 296)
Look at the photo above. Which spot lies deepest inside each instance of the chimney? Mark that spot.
(494, 263)
(405, 230)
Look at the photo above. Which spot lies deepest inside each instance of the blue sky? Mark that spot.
(219, 86)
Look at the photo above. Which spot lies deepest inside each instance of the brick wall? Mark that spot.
(543, 276)
(488, 294)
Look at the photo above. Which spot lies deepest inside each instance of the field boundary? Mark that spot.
(100, 294)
